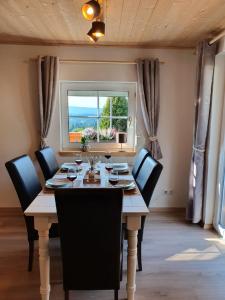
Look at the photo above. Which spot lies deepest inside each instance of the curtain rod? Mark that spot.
(113, 62)
(217, 37)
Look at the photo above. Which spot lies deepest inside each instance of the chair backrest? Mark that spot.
(147, 177)
(139, 159)
(24, 178)
(48, 163)
(90, 234)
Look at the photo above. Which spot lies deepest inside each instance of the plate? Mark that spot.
(68, 165)
(130, 188)
(71, 166)
(125, 171)
(55, 183)
(64, 169)
(121, 168)
(125, 184)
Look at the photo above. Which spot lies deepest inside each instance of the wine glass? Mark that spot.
(109, 167)
(113, 178)
(71, 176)
(78, 161)
(108, 155)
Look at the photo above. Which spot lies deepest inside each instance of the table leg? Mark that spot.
(133, 224)
(42, 225)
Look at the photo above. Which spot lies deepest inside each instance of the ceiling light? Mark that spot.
(91, 10)
(91, 36)
(98, 28)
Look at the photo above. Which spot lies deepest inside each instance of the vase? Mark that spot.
(84, 147)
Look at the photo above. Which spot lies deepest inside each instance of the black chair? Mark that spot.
(146, 181)
(27, 185)
(91, 256)
(48, 163)
(139, 159)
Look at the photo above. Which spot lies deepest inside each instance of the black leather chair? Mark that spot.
(27, 185)
(91, 256)
(48, 163)
(139, 159)
(146, 181)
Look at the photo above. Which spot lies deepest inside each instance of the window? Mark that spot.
(98, 111)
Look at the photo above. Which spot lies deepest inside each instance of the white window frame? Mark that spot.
(129, 87)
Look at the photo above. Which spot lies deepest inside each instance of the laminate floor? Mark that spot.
(180, 262)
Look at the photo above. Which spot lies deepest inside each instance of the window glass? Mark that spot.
(98, 111)
(96, 115)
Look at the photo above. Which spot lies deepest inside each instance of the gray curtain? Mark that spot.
(48, 67)
(148, 88)
(205, 72)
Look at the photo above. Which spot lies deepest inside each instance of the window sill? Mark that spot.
(115, 153)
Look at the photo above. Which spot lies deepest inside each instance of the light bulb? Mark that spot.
(90, 11)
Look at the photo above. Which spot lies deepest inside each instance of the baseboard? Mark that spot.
(166, 209)
(10, 211)
(207, 226)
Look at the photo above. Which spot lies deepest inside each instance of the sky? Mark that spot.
(86, 101)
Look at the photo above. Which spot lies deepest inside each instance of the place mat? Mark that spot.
(131, 192)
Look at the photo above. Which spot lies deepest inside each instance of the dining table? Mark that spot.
(43, 209)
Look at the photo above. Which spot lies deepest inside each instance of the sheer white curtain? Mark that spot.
(204, 83)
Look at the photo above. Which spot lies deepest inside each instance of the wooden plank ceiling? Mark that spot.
(145, 23)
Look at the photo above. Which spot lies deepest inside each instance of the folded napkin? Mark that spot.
(60, 176)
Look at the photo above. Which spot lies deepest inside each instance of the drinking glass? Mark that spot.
(114, 178)
(71, 176)
(109, 167)
(78, 161)
(108, 156)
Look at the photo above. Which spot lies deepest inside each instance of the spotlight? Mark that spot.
(91, 10)
(98, 28)
(91, 36)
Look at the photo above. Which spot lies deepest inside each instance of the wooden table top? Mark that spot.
(44, 203)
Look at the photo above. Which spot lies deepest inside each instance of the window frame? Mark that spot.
(102, 86)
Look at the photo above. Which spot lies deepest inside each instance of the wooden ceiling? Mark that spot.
(144, 23)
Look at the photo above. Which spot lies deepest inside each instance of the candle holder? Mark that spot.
(121, 139)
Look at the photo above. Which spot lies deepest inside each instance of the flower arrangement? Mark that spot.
(84, 142)
(90, 133)
(108, 134)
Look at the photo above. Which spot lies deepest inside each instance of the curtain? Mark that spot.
(205, 72)
(148, 88)
(48, 67)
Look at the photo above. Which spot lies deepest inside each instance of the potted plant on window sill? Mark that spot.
(84, 143)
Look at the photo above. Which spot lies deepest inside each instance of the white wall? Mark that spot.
(19, 121)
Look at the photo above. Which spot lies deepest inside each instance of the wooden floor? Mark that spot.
(181, 262)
